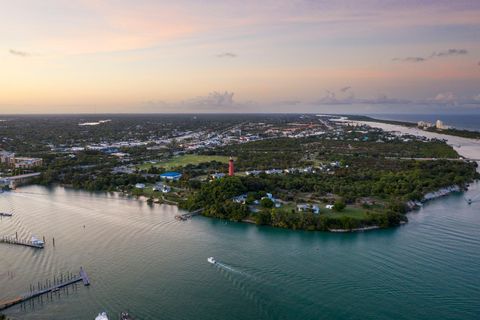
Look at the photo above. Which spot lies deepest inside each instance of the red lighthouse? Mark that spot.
(231, 169)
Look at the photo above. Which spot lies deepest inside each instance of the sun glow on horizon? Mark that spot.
(153, 56)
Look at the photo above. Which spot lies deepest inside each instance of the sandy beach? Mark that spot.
(467, 148)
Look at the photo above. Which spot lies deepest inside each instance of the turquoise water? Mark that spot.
(140, 258)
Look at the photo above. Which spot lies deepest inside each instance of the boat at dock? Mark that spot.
(212, 260)
(34, 242)
(37, 242)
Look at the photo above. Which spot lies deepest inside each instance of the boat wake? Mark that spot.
(248, 286)
(229, 268)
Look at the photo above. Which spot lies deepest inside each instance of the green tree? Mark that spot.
(339, 205)
(264, 217)
(266, 203)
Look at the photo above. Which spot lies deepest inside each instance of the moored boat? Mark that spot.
(125, 316)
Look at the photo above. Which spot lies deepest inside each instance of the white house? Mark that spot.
(253, 172)
(329, 206)
(162, 187)
(240, 199)
(308, 207)
(302, 207)
(140, 186)
(273, 171)
(217, 175)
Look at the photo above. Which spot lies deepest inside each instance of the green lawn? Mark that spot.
(352, 212)
(180, 161)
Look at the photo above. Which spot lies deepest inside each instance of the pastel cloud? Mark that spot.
(117, 52)
(19, 53)
(440, 54)
(227, 55)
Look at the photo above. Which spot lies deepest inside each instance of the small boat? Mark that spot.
(102, 316)
(125, 316)
(37, 242)
(212, 260)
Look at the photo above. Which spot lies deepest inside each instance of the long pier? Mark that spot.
(12, 240)
(82, 276)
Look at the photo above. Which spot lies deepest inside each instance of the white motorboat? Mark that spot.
(102, 316)
(212, 260)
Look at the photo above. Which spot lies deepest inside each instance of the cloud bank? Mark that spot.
(19, 53)
(227, 55)
(439, 54)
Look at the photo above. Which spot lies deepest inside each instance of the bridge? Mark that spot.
(15, 181)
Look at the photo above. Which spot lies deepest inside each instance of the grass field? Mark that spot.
(352, 212)
(180, 161)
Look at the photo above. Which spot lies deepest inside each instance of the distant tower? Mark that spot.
(231, 169)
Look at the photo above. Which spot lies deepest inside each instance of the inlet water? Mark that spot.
(139, 258)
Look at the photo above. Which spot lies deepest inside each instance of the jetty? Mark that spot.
(6, 214)
(34, 243)
(57, 285)
(188, 215)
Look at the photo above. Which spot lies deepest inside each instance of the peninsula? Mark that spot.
(296, 171)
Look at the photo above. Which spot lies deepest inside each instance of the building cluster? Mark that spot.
(11, 160)
(429, 125)
(242, 199)
(321, 168)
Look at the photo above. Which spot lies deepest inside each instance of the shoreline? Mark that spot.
(466, 147)
(440, 193)
(354, 229)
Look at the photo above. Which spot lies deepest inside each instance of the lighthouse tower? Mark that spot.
(231, 169)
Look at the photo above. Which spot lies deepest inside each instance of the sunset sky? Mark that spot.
(239, 56)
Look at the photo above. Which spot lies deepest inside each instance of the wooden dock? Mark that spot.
(6, 214)
(82, 276)
(13, 240)
(188, 215)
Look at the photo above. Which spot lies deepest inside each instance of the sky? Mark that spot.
(109, 56)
